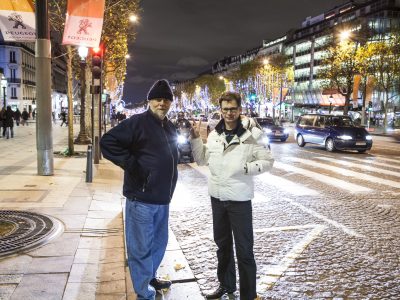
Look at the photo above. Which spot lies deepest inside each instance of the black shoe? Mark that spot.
(218, 293)
(160, 284)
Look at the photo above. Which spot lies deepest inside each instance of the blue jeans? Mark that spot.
(146, 240)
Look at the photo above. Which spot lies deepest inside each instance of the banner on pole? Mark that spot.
(84, 23)
(17, 20)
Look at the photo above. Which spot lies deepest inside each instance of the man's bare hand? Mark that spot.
(195, 130)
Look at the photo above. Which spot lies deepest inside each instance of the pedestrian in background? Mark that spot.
(63, 116)
(25, 117)
(9, 122)
(145, 147)
(17, 116)
(234, 153)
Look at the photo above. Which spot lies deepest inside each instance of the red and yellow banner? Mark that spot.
(84, 23)
(17, 20)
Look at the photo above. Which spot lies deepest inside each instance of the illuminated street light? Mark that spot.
(265, 61)
(83, 52)
(221, 77)
(133, 18)
(128, 56)
(344, 35)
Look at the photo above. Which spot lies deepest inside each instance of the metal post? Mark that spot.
(4, 97)
(44, 134)
(89, 164)
(96, 127)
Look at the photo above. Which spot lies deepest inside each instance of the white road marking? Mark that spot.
(325, 219)
(361, 166)
(370, 161)
(274, 272)
(341, 184)
(348, 173)
(279, 182)
(287, 185)
(396, 160)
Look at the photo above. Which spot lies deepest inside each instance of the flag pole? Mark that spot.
(44, 136)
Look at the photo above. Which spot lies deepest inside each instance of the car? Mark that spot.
(272, 130)
(333, 131)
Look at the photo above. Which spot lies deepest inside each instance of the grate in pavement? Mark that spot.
(30, 230)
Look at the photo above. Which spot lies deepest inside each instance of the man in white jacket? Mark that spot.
(234, 153)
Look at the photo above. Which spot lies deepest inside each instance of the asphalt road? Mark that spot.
(327, 225)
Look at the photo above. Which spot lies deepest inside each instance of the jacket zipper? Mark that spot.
(173, 161)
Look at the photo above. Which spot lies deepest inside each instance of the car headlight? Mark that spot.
(286, 131)
(267, 130)
(345, 137)
(368, 138)
(181, 139)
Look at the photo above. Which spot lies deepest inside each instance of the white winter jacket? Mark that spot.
(233, 165)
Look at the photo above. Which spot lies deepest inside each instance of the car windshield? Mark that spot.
(265, 121)
(342, 121)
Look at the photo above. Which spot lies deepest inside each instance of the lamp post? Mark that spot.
(4, 86)
(330, 103)
(83, 137)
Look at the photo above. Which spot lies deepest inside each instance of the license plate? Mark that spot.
(361, 143)
(278, 133)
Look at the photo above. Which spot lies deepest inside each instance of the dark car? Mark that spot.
(334, 132)
(272, 130)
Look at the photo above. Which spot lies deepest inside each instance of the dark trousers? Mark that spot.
(235, 217)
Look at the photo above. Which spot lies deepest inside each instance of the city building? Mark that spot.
(307, 46)
(18, 63)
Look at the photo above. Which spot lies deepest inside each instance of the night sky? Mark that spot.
(178, 39)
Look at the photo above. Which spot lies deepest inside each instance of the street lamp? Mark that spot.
(330, 103)
(4, 86)
(133, 18)
(83, 137)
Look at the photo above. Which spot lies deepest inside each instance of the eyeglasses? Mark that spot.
(225, 110)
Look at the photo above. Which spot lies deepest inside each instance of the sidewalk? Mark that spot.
(88, 260)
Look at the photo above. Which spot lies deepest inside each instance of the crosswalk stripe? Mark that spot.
(347, 173)
(374, 162)
(273, 180)
(341, 184)
(389, 159)
(360, 166)
(287, 185)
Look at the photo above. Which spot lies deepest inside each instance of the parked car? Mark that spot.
(273, 130)
(334, 132)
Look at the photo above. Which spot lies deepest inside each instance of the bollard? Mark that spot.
(89, 164)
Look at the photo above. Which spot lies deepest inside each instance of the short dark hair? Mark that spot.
(230, 96)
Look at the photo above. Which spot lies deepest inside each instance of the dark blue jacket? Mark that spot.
(146, 148)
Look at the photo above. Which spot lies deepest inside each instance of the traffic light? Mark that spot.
(97, 60)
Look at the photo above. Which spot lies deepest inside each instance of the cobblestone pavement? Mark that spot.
(327, 225)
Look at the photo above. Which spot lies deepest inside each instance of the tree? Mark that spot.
(386, 65)
(339, 68)
(116, 35)
(57, 11)
(215, 86)
(277, 66)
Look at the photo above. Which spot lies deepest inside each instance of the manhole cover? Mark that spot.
(23, 230)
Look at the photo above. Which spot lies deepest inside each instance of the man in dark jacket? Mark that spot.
(145, 147)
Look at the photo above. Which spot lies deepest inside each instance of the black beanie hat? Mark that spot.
(160, 89)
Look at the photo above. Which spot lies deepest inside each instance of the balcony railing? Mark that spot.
(14, 80)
